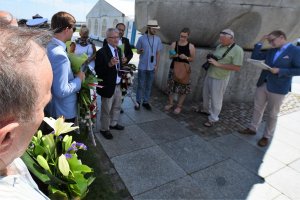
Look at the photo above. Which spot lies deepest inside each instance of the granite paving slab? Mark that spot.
(125, 120)
(262, 191)
(287, 180)
(289, 137)
(183, 188)
(192, 153)
(130, 139)
(165, 130)
(226, 180)
(282, 151)
(143, 115)
(295, 165)
(290, 122)
(282, 197)
(247, 155)
(146, 169)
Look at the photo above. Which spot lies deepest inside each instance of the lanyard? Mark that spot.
(150, 44)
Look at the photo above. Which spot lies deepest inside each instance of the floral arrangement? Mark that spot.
(87, 98)
(127, 78)
(52, 159)
(87, 104)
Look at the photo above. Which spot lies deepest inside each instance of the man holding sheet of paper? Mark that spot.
(273, 84)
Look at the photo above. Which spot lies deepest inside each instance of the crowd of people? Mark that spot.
(40, 79)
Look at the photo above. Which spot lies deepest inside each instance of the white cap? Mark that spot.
(227, 32)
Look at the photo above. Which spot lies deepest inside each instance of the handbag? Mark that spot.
(181, 71)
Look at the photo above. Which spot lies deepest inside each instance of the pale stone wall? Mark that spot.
(249, 19)
(241, 86)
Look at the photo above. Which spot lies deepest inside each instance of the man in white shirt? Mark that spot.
(25, 83)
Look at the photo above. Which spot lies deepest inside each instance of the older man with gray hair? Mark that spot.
(227, 57)
(108, 68)
(25, 83)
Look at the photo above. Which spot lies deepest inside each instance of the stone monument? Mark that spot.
(249, 19)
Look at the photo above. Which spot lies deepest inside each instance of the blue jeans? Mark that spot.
(145, 80)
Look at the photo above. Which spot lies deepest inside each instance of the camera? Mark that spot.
(207, 64)
(151, 59)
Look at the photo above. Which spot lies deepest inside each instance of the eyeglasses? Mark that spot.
(273, 39)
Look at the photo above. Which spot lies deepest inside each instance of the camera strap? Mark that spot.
(227, 51)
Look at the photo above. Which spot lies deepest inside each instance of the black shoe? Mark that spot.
(247, 131)
(107, 134)
(117, 127)
(147, 106)
(263, 142)
(137, 106)
(121, 111)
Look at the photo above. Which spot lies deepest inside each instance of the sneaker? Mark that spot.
(147, 106)
(247, 131)
(263, 142)
(137, 106)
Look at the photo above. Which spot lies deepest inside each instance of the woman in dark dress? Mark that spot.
(184, 51)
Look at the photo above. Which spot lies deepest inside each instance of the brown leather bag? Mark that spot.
(182, 72)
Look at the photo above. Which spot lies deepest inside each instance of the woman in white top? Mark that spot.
(85, 45)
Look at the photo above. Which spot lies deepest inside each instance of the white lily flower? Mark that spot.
(59, 125)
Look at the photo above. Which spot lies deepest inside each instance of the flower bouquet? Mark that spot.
(127, 78)
(53, 160)
(87, 98)
(87, 104)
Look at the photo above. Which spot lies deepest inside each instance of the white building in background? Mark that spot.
(103, 16)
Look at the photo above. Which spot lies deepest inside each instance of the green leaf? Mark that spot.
(38, 150)
(73, 162)
(57, 194)
(48, 141)
(43, 162)
(34, 168)
(63, 165)
(82, 168)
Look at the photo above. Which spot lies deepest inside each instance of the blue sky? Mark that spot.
(46, 8)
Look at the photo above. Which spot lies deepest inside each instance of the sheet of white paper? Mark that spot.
(259, 63)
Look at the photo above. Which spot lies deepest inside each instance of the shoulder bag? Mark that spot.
(181, 71)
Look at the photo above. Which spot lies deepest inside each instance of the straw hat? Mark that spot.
(152, 23)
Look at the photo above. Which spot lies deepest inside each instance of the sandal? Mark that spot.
(168, 107)
(198, 110)
(208, 124)
(177, 110)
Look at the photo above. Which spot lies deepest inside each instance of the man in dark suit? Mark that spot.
(124, 44)
(107, 67)
(273, 84)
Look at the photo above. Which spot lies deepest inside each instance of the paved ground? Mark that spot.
(160, 155)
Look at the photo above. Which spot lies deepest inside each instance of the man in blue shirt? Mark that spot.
(65, 84)
(148, 46)
(273, 84)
